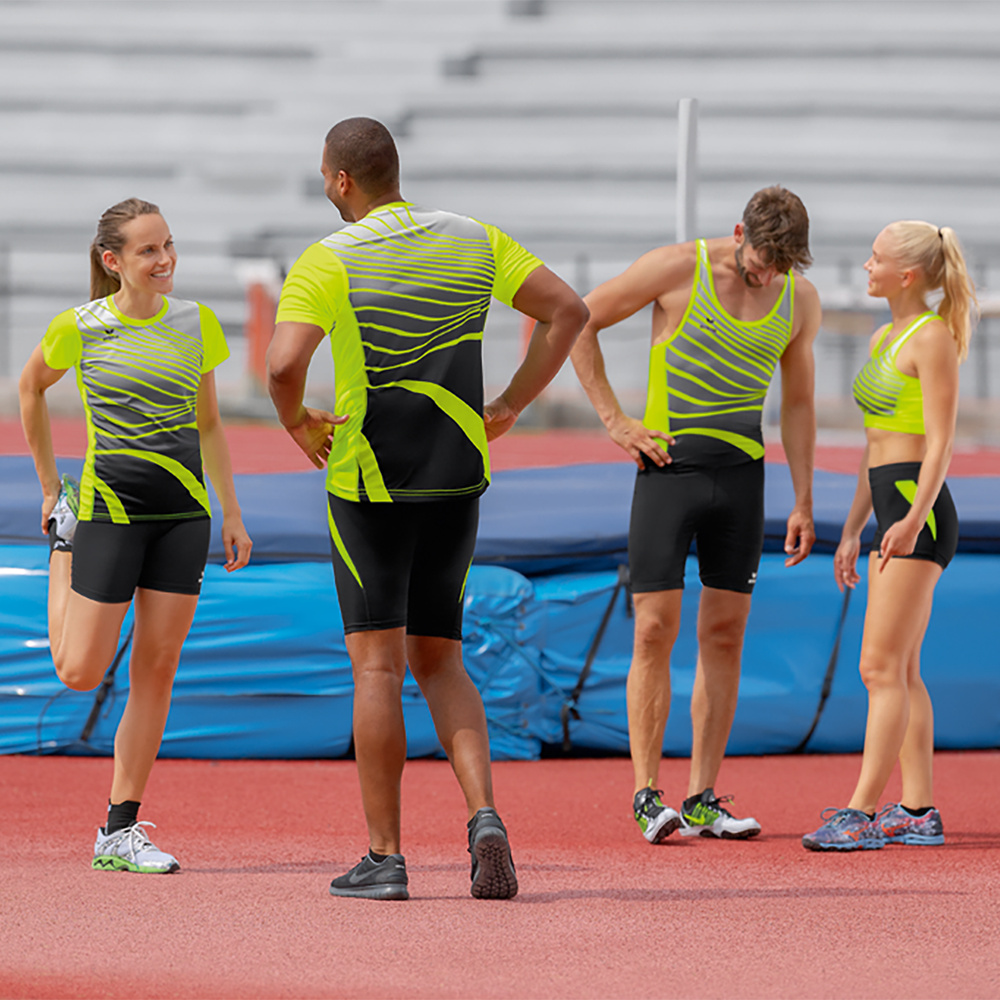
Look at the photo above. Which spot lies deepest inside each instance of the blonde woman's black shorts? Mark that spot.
(893, 489)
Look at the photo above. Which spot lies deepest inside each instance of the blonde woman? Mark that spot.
(908, 391)
(137, 526)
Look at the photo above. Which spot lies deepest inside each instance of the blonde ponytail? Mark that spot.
(959, 292)
(110, 237)
(937, 252)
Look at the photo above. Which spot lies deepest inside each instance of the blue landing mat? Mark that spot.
(568, 519)
(264, 672)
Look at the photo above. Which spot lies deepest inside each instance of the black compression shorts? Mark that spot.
(893, 489)
(111, 560)
(403, 565)
(721, 509)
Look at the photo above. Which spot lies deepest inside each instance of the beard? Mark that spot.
(748, 279)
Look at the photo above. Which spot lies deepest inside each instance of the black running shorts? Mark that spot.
(111, 560)
(403, 565)
(721, 509)
(893, 489)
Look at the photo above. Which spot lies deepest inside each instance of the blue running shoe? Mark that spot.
(900, 827)
(844, 830)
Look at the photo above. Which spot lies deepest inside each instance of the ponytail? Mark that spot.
(110, 237)
(102, 281)
(938, 254)
(959, 292)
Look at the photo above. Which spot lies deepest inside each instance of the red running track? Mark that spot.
(600, 913)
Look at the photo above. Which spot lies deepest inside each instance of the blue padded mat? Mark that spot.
(536, 521)
(265, 672)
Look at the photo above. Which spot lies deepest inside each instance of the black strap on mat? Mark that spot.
(831, 669)
(569, 709)
(105, 687)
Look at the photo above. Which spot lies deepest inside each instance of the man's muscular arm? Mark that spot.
(652, 275)
(798, 419)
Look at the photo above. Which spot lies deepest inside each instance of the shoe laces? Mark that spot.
(137, 838)
(650, 797)
(834, 816)
(718, 804)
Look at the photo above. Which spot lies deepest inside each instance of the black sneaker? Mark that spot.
(493, 875)
(374, 879)
(656, 820)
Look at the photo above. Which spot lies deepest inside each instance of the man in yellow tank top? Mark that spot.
(726, 312)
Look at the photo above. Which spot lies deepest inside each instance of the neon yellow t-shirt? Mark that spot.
(139, 381)
(404, 295)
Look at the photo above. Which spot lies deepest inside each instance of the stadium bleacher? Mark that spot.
(555, 119)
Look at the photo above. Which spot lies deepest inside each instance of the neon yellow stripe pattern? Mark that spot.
(139, 382)
(908, 488)
(709, 378)
(890, 400)
(404, 295)
(338, 541)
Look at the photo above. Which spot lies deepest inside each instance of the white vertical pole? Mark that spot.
(687, 167)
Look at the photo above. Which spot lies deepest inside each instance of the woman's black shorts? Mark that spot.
(893, 489)
(111, 560)
(403, 565)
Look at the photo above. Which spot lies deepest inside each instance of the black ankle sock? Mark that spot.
(917, 813)
(121, 815)
(377, 858)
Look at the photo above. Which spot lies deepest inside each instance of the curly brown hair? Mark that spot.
(776, 225)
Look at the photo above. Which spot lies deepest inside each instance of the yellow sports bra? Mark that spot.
(890, 400)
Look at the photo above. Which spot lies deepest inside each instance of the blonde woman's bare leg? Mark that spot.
(899, 602)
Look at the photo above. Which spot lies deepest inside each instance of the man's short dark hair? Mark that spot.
(363, 148)
(776, 225)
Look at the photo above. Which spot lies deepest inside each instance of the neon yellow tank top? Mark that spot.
(890, 400)
(708, 379)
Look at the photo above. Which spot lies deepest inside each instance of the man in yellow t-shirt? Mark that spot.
(403, 294)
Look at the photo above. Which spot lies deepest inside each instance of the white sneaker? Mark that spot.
(709, 818)
(62, 520)
(130, 850)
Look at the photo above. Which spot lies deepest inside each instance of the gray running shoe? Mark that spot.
(374, 879)
(130, 850)
(62, 520)
(656, 820)
(493, 875)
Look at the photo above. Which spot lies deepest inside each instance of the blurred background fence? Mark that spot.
(554, 119)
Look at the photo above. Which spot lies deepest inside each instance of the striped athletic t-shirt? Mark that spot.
(139, 381)
(404, 295)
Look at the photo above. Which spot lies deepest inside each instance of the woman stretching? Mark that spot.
(908, 391)
(138, 524)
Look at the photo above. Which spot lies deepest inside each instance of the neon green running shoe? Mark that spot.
(706, 816)
(656, 820)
